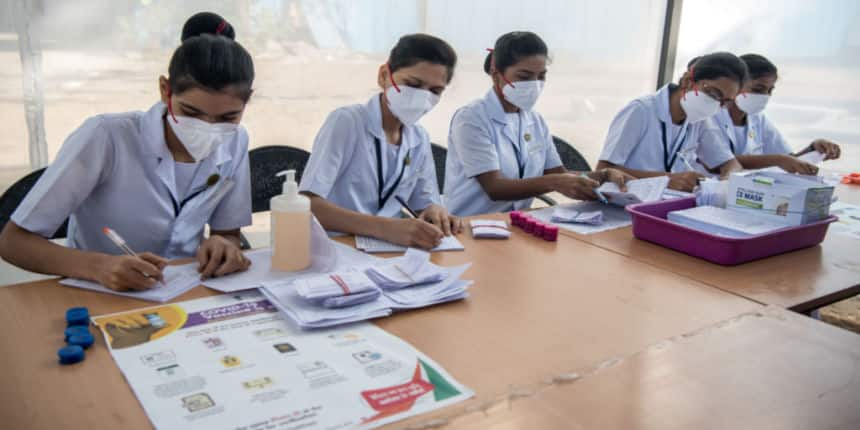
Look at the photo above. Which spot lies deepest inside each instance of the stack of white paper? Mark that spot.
(313, 314)
(412, 269)
(489, 229)
(638, 191)
(568, 214)
(373, 245)
(723, 222)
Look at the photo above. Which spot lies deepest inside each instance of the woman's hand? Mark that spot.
(126, 272)
(830, 150)
(439, 216)
(412, 232)
(219, 256)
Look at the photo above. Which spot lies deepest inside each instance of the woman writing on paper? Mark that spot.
(743, 127)
(659, 134)
(155, 177)
(368, 158)
(500, 151)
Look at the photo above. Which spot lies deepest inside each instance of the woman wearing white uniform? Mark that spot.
(743, 127)
(500, 151)
(659, 134)
(368, 158)
(156, 177)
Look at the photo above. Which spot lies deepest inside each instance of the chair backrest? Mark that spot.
(265, 162)
(13, 196)
(570, 157)
(439, 154)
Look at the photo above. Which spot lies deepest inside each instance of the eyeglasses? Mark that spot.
(715, 94)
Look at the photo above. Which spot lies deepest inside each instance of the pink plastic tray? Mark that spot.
(650, 223)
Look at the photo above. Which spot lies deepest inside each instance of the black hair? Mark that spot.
(415, 48)
(211, 63)
(758, 66)
(512, 47)
(207, 23)
(718, 65)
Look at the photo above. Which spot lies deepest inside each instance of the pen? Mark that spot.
(120, 243)
(405, 206)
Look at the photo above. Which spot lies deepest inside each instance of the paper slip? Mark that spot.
(414, 268)
(333, 285)
(449, 289)
(638, 191)
(489, 229)
(352, 299)
(373, 245)
(562, 214)
(233, 361)
(813, 157)
(177, 280)
(613, 217)
(669, 194)
(723, 222)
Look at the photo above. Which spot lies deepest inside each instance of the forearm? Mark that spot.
(603, 164)
(759, 161)
(500, 188)
(336, 218)
(34, 253)
(730, 167)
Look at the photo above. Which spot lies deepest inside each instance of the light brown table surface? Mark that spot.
(764, 370)
(801, 280)
(537, 309)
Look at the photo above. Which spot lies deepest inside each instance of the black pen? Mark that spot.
(405, 206)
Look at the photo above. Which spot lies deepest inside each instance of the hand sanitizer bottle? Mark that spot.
(290, 227)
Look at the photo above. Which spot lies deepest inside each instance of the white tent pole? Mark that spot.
(30, 49)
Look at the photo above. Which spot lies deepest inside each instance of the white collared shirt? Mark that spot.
(757, 137)
(483, 138)
(116, 171)
(343, 166)
(636, 139)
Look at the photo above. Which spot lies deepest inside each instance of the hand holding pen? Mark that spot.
(131, 271)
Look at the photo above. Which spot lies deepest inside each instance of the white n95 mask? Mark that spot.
(199, 137)
(699, 106)
(751, 103)
(523, 94)
(410, 104)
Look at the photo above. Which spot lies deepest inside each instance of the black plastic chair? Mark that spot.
(13, 196)
(265, 162)
(570, 157)
(440, 153)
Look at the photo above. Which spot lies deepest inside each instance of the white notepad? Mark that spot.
(373, 245)
(178, 280)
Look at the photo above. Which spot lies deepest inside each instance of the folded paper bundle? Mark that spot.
(414, 268)
(489, 229)
(561, 214)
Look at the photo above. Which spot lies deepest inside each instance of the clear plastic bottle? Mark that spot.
(290, 227)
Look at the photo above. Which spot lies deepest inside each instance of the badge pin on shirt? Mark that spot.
(407, 160)
(527, 137)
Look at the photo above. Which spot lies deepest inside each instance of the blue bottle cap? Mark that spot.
(84, 340)
(74, 330)
(71, 354)
(77, 316)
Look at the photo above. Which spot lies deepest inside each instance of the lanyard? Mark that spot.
(382, 199)
(177, 207)
(667, 162)
(517, 154)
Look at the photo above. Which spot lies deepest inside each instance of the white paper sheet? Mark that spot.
(638, 191)
(234, 362)
(177, 280)
(373, 245)
(489, 229)
(613, 217)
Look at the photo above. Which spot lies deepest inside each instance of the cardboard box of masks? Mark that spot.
(780, 197)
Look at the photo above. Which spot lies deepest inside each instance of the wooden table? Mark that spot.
(764, 370)
(802, 280)
(537, 309)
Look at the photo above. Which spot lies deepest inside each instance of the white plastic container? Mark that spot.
(290, 227)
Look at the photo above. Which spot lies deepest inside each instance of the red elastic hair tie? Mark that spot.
(221, 27)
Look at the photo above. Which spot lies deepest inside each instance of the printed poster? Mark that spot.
(234, 362)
